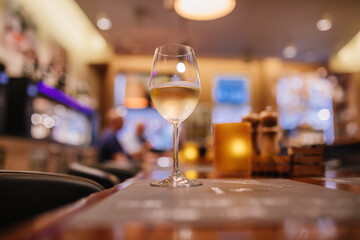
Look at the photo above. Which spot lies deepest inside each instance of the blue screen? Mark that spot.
(233, 91)
(158, 131)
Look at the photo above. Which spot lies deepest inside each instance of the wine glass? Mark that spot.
(175, 90)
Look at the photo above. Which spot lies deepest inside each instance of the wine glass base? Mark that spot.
(176, 180)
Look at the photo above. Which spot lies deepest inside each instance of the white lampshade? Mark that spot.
(203, 10)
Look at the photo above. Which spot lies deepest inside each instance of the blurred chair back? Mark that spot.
(122, 170)
(106, 179)
(26, 194)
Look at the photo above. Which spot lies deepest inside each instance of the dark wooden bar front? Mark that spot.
(302, 208)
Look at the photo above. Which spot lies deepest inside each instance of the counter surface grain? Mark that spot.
(220, 209)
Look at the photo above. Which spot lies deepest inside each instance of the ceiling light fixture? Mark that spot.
(203, 10)
(324, 24)
(104, 23)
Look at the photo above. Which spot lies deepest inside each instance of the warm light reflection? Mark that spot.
(191, 153)
(232, 148)
(202, 10)
(191, 174)
(237, 147)
(136, 102)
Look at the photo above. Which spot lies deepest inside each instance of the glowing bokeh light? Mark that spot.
(4, 79)
(203, 10)
(57, 119)
(290, 51)
(191, 153)
(164, 162)
(324, 24)
(31, 90)
(180, 67)
(238, 147)
(60, 110)
(191, 174)
(35, 119)
(324, 114)
(122, 111)
(43, 118)
(39, 132)
(49, 122)
(104, 23)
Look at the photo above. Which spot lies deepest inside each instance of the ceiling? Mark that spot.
(256, 28)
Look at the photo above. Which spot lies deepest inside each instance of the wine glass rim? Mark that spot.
(191, 50)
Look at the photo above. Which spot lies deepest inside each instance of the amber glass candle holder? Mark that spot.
(232, 149)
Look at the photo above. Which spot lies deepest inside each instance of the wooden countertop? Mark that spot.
(327, 208)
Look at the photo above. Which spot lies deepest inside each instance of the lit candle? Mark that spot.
(232, 149)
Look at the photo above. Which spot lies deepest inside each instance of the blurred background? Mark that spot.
(64, 63)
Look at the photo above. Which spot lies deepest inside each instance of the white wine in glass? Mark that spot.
(175, 90)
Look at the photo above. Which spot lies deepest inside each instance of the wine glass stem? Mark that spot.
(175, 128)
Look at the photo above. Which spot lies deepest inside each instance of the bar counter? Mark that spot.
(237, 208)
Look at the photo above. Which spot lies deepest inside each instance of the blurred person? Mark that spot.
(110, 147)
(135, 143)
(140, 136)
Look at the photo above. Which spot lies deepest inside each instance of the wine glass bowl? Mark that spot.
(175, 91)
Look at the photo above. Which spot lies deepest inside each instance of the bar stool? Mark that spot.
(106, 179)
(24, 194)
